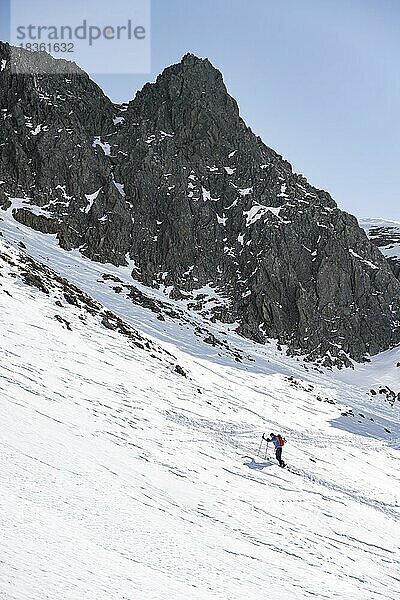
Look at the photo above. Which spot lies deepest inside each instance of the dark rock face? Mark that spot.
(178, 183)
(49, 124)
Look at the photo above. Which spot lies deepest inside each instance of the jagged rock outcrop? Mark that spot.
(51, 128)
(176, 182)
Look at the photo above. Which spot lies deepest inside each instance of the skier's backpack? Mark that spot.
(281, 440)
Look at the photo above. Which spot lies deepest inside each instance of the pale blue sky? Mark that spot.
(318, 80)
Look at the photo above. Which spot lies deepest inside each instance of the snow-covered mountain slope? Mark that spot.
(129, 465)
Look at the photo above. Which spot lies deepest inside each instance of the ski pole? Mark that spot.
(266, 452)
(259, 449)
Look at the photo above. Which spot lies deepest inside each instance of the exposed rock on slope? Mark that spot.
(385, 235)
(50, 130)
(178, 183)
(24, 269)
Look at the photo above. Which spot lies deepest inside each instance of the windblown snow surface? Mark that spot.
(124, 479)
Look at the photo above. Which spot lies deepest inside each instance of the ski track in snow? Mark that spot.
(123, 480)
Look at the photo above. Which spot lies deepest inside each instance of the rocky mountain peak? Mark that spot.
(198, 76)
(177, 183)
(190, 95)
(28, 63)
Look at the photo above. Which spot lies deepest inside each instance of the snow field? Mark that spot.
(122, 479)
